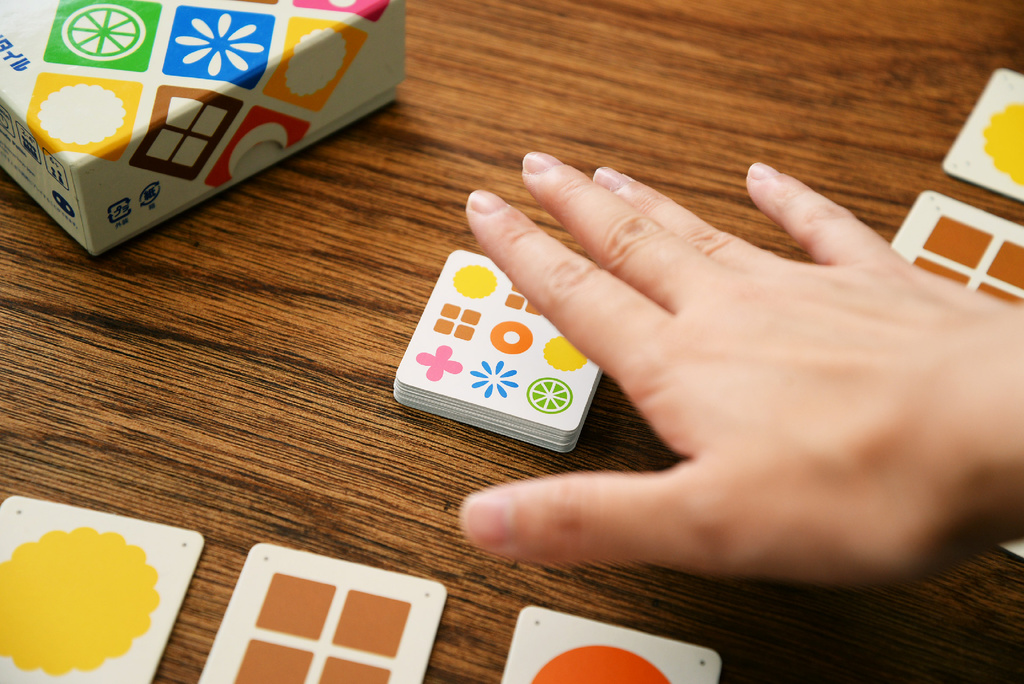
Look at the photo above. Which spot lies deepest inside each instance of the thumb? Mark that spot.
(575, 517)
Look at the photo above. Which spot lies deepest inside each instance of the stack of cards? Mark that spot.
(482, 355)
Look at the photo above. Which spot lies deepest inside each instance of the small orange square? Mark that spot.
(337, 671)
(939, 270)
(471, 317)
(515, 301)
(996, 292)
(372, 623)
(530, 309)
(266, 663)
(296, 606)
(443, 326)
(464, 332)
(958, 241)
(450, 311)
(1008, 265)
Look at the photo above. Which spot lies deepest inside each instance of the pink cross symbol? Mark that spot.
(438, 363)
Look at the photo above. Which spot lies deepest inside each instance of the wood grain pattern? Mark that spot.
(231, 371)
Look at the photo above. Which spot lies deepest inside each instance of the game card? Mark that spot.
(300, 618)
(989, 151)
(965, 244)
(555, 648)
(87, 597)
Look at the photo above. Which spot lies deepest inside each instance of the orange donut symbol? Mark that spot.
(501, 332)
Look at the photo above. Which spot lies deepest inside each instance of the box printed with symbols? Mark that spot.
(116, 115)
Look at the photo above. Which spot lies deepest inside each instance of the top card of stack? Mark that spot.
(482, 355)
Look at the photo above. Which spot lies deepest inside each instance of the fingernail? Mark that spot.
(486, 519)
(539, 162)
(610, 179)
(483, 202)
(761, 171)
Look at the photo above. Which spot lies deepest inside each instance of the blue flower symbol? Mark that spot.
(219, 45)
(494, 380)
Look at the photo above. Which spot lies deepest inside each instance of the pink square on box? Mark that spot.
(369, 9)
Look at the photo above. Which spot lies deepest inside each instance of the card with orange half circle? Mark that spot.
(555, 648)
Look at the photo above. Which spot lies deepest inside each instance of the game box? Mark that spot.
(117, 114)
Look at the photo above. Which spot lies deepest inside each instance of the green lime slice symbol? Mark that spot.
(104, 32)
(549, 395)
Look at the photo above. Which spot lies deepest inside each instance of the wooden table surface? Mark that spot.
(231, 371)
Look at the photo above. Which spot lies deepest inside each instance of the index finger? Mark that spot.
(601, 315)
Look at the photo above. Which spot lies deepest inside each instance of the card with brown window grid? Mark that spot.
(964, 244)
(296, 617)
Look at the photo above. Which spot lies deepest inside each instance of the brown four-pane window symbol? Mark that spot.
(517, 301)
(451, 322)
(186, 127)
(300, 607)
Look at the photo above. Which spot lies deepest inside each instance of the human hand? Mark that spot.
(849, 420)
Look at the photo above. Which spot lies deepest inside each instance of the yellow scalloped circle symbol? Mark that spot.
(74, 599)
(475, 282)
(561, 355)
(1004, 141)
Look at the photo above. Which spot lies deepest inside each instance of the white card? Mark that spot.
(87, 597)
(965, 244)
(480, 342)
(300, 618)
(1015, 547)
(555, 648)
(989, 151)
